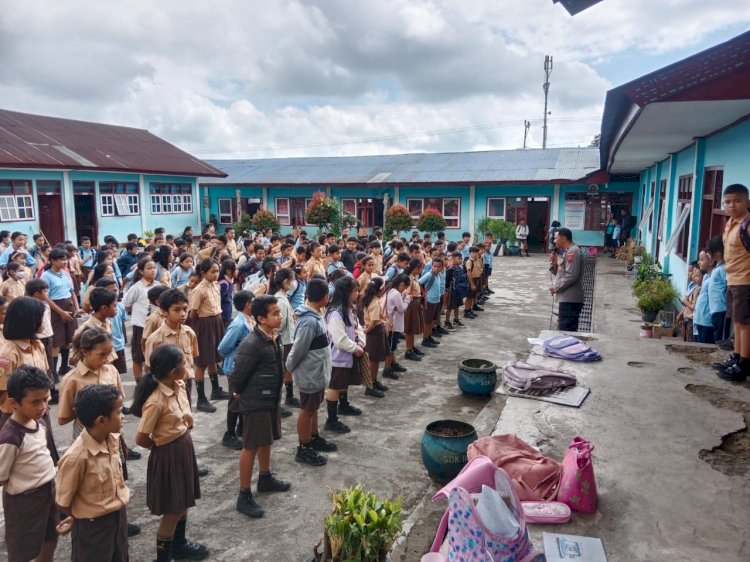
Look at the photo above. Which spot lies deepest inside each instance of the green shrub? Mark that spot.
(654, 294)
(431, 221)
(398, 219)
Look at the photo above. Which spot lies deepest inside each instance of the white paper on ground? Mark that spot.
(558, 548)
(495, 515)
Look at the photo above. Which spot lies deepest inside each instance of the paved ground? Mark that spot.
(382, 451)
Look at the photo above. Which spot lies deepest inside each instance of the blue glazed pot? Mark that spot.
(477, 377)
(444, 445)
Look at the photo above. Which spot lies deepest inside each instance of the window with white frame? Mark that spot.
(16, 203)
(449, 207)
(349, 206)
(290, 211)
(119, 198)
(226, 210)
(171, 198)
(496, 207)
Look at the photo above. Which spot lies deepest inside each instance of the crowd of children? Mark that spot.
(293, 322)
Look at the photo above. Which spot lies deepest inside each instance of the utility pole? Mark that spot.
(547, 72)
(526, 125)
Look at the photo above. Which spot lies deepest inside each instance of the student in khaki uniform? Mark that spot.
(737, 268)
(14, 286)
(90, 483)
(315, 264)
(474, 271)
(156, 318)
(413, 317)
(172, 484)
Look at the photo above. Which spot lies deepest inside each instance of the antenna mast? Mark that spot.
(547, 72)
(526, 125)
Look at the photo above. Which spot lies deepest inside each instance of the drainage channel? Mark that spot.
(586, 320)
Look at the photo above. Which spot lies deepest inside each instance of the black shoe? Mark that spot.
(133, 529)
(726, 345)
(293, 402)
(347, 409)
(428, 343)
(336, 426)
(433, 340)
(477, 308)
(396, 368)
(733, 358)
(470, 315)
(418, 351)
(246, 504)
(269, 483)
(54, 396)
(205, 406)
(390, 374)
(441, 330)
(435, 334)
(230, 441)
(132, 455)
(374, 392)
(449, 326)
(125, 411)
(320, 443)
(219, 393)
(411, 356)
(459, 324)
(285, 412)
(202, 470)
(308, 455)
(379, 386)
(490, 291)
(733, 373)
(189, 550)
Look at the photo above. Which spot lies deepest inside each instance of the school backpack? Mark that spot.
(744, 236)
(570, 348)
(250, 267)
(252, 281)
(460, 283)
(524, 376)
(357, 270)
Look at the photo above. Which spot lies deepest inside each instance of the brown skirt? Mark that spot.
(260, 428)
(63, 331)
(30, 521)
(210, 331)
(342, 377)
(101, 538)
(376, 345)
(413, 319)
(136, 349)
(172, 484)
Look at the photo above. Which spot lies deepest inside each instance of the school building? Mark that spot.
(69, 179)
(563, 184)
(684, 131)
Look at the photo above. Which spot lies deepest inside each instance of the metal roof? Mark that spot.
(553, 165)
(38, 141)
(576, 6)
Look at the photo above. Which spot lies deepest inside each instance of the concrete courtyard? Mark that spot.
(655, 413)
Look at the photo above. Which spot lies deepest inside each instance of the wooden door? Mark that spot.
(50, 217)
(85, 204)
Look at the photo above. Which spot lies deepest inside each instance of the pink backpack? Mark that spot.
(578, 485)
(524, 376)
(469, 539)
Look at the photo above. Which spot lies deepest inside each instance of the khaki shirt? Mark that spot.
(79, 377)
(184, 338)
(316, 266)
(89, 478)
(166, 414)
(13, 354)
(736, 257)
(93, 322)
(374, 313)
(474, 268)
(568, 271)
(206, 299)
(363, 280)
(12, 289)
(378, 264)
(154, 321)
(414, 289)
(232, 248)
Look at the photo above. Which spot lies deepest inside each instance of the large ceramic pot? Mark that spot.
(477, 376)
(444, 445)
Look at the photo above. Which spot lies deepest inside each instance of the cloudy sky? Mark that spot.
(252, 79)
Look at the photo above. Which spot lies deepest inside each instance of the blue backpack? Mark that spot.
(459, 283)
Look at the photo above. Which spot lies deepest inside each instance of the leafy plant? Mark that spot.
(324, 212)
(361, 527)
(431, 221)
(148, 234)
(397, 218)
(654, 294)
(264, 219)
(502, 231)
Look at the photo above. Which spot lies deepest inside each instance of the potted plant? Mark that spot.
(325, 213)
(397, 219)
(431, 221)
(264, 219)
(361, 527)
(653, 295)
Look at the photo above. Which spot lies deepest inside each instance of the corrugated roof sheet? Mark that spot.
(38, 141)
(495, 166)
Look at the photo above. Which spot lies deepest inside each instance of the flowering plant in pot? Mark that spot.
(264, 219)
(324, 212)
(431, 220)
(397, 219)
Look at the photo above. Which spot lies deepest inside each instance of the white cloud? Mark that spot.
(239, 74)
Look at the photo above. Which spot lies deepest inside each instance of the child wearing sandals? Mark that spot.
(172, 484)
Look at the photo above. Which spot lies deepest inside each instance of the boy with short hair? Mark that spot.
(103, 307)
(87, 256)
(465, 245)
(310, 363)
(474, 270)
(118, 327)
(96, 504)
(737, 267)
(402, 260)
(156, 318)
(434, 285)
(334, 253)
(27, 471)
(257, 379)
(457, 284)
(522, 236)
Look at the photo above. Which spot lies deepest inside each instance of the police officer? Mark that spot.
(567, 265)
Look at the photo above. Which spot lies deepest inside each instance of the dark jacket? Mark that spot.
(126, 261)
(348, 258)
(257, 373)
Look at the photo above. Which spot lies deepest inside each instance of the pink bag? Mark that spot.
(578, 486)
(535, 477)
(469, 539)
